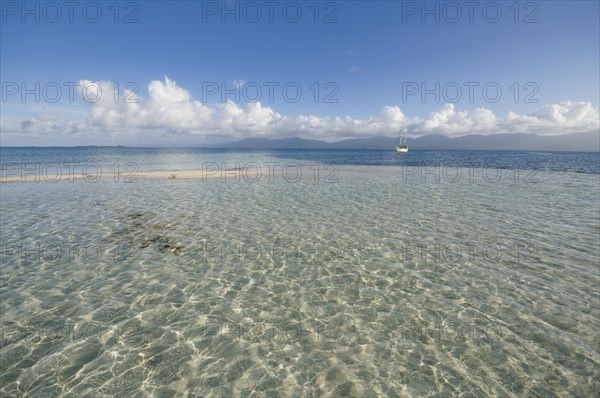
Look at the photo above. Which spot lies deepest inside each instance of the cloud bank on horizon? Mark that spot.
(169, 110)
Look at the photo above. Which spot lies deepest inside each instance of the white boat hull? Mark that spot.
(401, 149)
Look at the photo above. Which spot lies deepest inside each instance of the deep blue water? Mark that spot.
(190, 158)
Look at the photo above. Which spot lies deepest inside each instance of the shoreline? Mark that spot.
(304, 171)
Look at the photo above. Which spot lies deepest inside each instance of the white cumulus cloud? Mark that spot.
(171, 110)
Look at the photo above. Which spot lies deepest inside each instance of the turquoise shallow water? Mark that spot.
(374, 282)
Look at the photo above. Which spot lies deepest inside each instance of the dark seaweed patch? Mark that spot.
(142, 230)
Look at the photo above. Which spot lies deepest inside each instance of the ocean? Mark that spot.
(299, 273)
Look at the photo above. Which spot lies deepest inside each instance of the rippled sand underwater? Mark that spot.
(379, 284)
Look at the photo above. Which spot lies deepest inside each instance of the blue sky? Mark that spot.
(370, 54)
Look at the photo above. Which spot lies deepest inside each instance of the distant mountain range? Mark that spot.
(587, 142)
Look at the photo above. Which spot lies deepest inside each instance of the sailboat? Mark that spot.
(401, 144)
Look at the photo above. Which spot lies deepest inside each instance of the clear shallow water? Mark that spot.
(388, 282)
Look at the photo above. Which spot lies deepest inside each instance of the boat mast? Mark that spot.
(401, 138)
